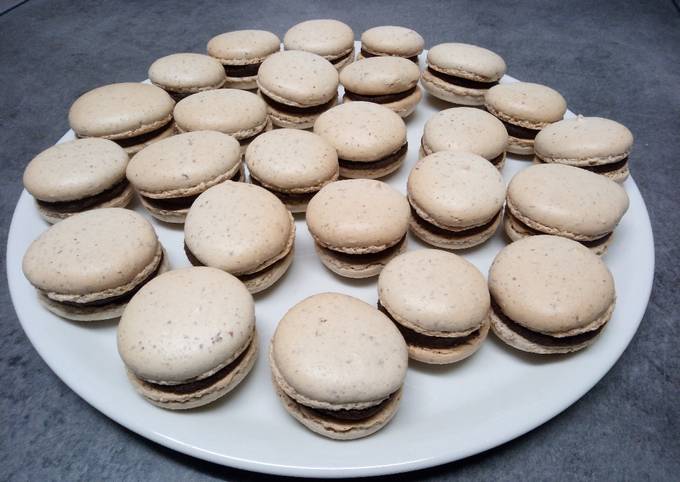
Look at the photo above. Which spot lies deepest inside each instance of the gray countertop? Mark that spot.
(614, 59)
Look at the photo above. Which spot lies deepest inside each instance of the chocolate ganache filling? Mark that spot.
(382, 162)
(352, 415)
(380, 99)
(141, 138)
(367, 258)
(460, 81)
(295, 110)
(366, 54)
(341, 58)
(78, 205)
(433, 228)
(247, 70)
(602, 168)
(520, 132)
(287, 197)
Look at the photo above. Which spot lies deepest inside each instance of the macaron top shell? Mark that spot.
(333, 349)
(434, 291)
(362, 131)
(116, 111)
(465, 129)
(187, 72)
(238, 227)
(526, 104)
(298, 78)
(91, 252)
(185, 325)
(568, 199)
(75, 170)
(584, 140)
(232, 111)
(185, 163)
(358, 216)
(292, 159)
(380, 75)
(456, 189)
(551, 284)
(466, 61)
(243, 47)
(392, 40)
(326, 37)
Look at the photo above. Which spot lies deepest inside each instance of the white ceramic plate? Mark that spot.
(446, 414)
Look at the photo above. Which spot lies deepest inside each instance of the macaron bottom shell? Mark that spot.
(616, 171)
(359, 266)
(449, 239)
(452, 93)
(288, 116)
(374, 169)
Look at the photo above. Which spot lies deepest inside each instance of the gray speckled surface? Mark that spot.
(615, 59)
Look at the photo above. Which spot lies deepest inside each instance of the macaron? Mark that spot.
(132, 114)
(331, 39)
(239, 113)
(391, 40)
(564, 201)
(549, 295)
(87, 267)
(297, 87)
(186, 73)
(439, 302)
(358, 225)
(76, 176)
(461, 73)
(292, 164)
(370, 139)
(188, 337)
(525, 109)
(456, 199)
(465, 129)
(242, 229)
(338, 366)
(169, 175)
(389, 81)
(241, 53)
(594, 143)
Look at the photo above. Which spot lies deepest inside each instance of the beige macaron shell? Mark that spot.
(325, 37)
(392, 40)
(358, 216)
(184, 164)
(187, 72)
(434, 292)
(526, 104)
(551, 284)
(456, 189)
(380, 76)
(465, 129)
(466, 61)
(91, 252)
(185, 325)
(362, 131)
(117, 111)
(231, 111)
(243, 47)
(297, 78)
(75, 170)
(238, 227)
(566, 200)
(584, 141)
(334, 351)
(292, 160)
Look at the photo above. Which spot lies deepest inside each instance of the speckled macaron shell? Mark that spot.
(466, 61)
(358, 216)
(231, 111)
(566, 201)
(391, 40)
(187, 73)
(380, 76)
(243, 47)
(328, 38)
(525, 104)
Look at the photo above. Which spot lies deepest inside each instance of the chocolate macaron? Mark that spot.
(241, 53)
(297, 87)
(169, 175)
(593, 143)
(132, 114)
(456, 199)
(549, 295)
(186, 73)
(87, 267)
(293, 164)
(461, 73)
(77, 176)
(564, 201)
(525, 109)
(358, 225)
(391, 40)
(338, 366)
(188, 337)
(242, 229)
(389, 81)
(440, 303)
(370, 139)
(331, 39)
